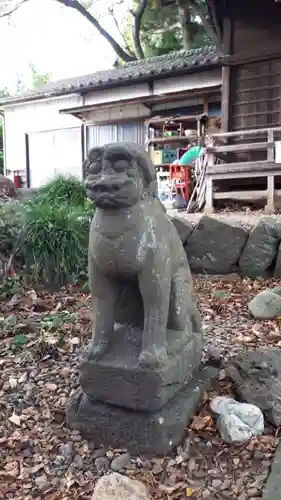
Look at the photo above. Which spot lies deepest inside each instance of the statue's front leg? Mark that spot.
(104, 296)
(155, 285)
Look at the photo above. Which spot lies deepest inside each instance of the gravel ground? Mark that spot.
(42, 336)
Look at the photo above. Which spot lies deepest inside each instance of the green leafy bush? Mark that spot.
(52, 230)
(63, 189)
(1, 162)
(11, 225)
(56, 241)
(9, 287)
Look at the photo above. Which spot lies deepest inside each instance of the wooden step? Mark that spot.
(249, 167)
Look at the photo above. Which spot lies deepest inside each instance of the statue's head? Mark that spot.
(118, 175)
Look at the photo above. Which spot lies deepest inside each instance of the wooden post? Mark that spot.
(270, 207)
(270, 149)
(226, 76)
(209, 206)
(205, 104)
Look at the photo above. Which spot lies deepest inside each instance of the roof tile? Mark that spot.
(133, 71)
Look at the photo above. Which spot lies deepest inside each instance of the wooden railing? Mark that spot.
(223, 151)
(222, 161)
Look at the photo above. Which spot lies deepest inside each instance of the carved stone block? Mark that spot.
(118, 379)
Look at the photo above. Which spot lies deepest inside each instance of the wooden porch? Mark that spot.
(231, 162)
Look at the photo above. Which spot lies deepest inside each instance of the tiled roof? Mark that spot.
(167, 64)
(141, 68)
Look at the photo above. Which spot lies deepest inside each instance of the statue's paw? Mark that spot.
(153, 357)
(97, 350)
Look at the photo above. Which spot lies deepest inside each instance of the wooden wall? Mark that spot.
(256, 95)
(256, 27)
(251, 93)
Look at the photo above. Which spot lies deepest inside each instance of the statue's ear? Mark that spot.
(95, 154)
(86, 167)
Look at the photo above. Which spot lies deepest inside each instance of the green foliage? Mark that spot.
(52, 230)
(161, 30)
(175, 26)
(11, 225)
(37, 79)
(9, 287)
(1, 162)
(4, 92)
(53, 323)
(64, 189)
(56, 241)
(19, 341)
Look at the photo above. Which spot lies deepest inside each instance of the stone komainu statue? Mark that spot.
(138, 269)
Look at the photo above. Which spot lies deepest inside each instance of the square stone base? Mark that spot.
(148, 433)
(118, 379)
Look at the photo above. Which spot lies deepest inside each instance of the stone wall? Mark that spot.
(217, 247)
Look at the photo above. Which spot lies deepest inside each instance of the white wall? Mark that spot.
(115, 113)
(45, 115)
(54, 152)
(30, 117)
(117, 94)
(188, 82)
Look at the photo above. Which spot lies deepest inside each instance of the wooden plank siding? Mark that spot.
(252, 46)
(256, 95)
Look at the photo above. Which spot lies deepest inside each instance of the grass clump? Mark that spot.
(56, 241)
(63, 189)
(11, 224)
(54, 229)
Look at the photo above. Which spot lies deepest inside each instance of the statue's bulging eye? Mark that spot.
(120, 165)
(95, 167)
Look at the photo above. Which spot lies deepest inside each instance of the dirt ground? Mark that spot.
(42, 336)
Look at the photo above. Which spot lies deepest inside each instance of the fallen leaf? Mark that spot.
(15, 419)
(169, 490)
(12, 468)
(188, 492)
(199, 423)
(20, 340)
(13, 382)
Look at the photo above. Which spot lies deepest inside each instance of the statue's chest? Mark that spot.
(118, 255)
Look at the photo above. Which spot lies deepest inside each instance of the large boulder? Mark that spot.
(257, 379)
(277, 268)
(114, 486)
(215, 246)
(266, 305)
(261, 249)
(183, 227)
(7, 187)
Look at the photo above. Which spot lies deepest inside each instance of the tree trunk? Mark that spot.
(137, 27)
(185, 22)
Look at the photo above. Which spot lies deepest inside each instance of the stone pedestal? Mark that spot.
(141, 432)
(119, 380)
(123, 405)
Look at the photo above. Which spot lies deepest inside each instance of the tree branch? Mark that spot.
(111, 11)
(185, 22)
(137, 26)
(74, 4)
(14, 9)
(210, 32)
